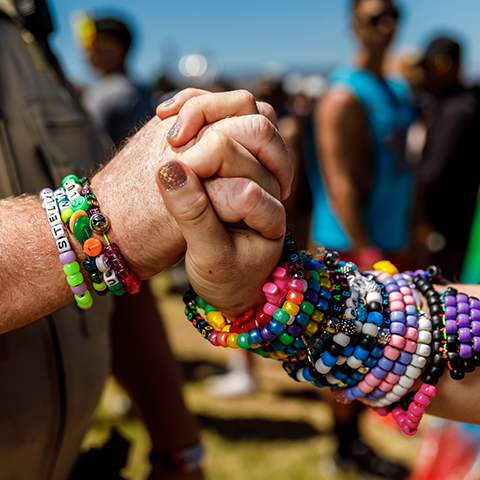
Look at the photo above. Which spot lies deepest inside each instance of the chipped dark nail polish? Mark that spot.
(173, 132)
(173, 176)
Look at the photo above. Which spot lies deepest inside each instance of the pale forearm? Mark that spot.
(32, 281)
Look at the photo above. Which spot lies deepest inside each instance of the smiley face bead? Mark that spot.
(99, 223)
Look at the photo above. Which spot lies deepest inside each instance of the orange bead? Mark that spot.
(222, 339)
(74, 217)
(294, 297)
(92, 247)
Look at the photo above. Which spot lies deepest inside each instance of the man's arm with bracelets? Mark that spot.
(250, 171)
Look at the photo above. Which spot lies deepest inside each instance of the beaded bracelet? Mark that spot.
(363, 335)
(106, 265)
(67, 256)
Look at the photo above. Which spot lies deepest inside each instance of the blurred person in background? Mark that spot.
(360, 182)
(448, 171)
(114, 100)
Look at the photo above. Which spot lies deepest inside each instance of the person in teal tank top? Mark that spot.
(360, 185)
(360, 182)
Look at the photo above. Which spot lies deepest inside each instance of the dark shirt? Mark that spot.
(450, 167)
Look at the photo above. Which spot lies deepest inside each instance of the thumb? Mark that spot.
(186, 199)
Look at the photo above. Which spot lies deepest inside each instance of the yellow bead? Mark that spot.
(232, 340)
(386, 266)
(216, 320)
(325, 282)
(323, 272)
(273, 356)
(312, 327)
(291, 308)
(281, 355)
(226, 328)
(317, 315)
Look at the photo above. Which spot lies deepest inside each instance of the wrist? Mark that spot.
(136, 226)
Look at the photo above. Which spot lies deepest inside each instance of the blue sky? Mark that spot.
(256, 36)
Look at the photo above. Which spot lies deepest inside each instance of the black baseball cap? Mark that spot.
(441, 53)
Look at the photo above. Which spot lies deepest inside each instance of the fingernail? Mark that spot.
(173, 176)
(173, 132)
(168, 102)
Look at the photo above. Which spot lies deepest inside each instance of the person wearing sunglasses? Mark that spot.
(360, 183)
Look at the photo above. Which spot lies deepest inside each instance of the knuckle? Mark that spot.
(261, 127)
(246, 96)
(218, 141)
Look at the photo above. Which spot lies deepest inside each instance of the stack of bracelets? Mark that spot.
(73, 207)
(364, 335)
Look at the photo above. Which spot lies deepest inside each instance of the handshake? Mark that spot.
(204, 179)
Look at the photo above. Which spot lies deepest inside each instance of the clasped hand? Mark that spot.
(222, 170)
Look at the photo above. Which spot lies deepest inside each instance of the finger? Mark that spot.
(186, 199)
(202, 110)
(173, 105)
(241, 199)
(268, 111)
(257, 134)
(216, 154)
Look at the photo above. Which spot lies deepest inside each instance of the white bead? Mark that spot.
(412, 372)
(305, 286)
(332, 380)
(58, 231)
(358, 326)
(54, 219)
(59, 192)
(70, 185)
(63, 244)
(424, 336)
(425, 324)
(374, 297)
(351, 303)
(354, 362)
(423, 350)
(354, 292)
(418, 361)
(341, 360)
(385, 402)
(350, 313)
(406, 382)
(361, 300)
(48, 201)
(51, 207)
(320, 367)
(72, 195)
(341, 338)
(291, 320)
(100, 263)
(110, 278)
(392, 397)
(300, 376)
(370, 329)
(399, 390)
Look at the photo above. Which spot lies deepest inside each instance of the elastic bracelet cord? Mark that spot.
(67, 256)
